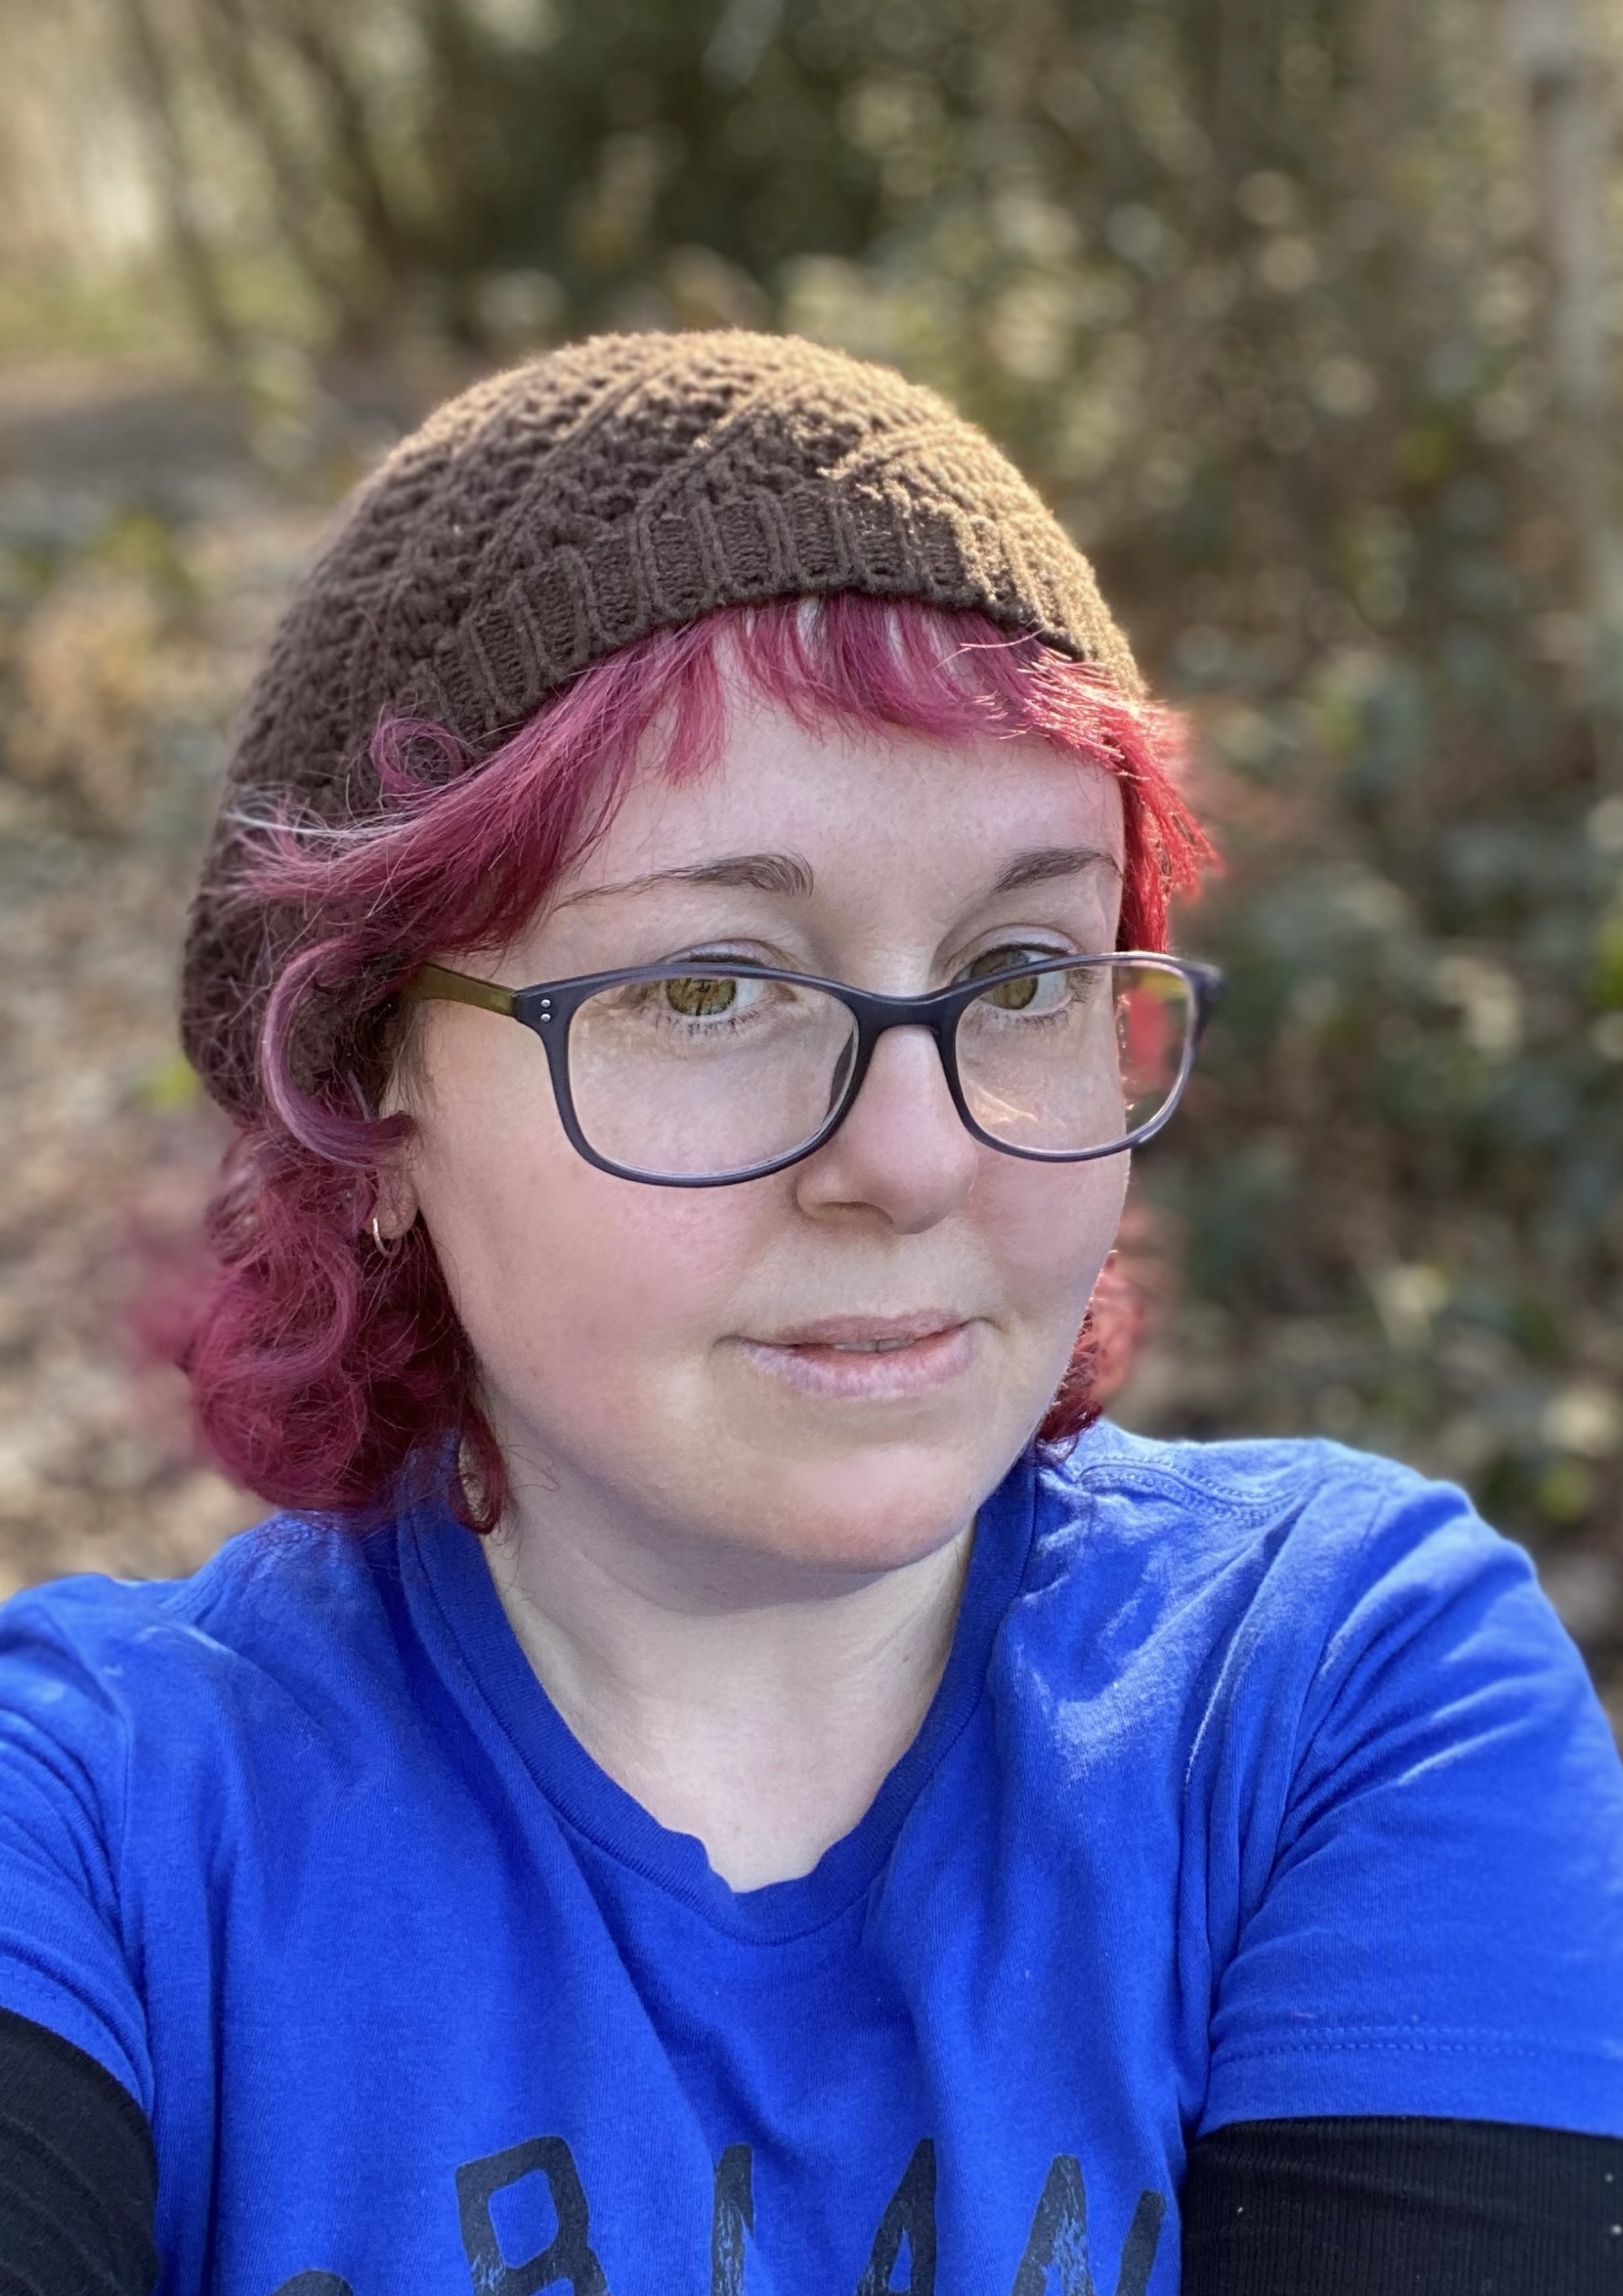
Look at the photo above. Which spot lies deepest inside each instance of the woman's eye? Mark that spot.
(1042, 995)
(1002, 959)
(1014, 996)
(699, 1000)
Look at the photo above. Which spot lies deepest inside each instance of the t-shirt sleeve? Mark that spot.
(64, 1744)
(1428, 1913)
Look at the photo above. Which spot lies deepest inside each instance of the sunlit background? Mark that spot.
(1305, 316)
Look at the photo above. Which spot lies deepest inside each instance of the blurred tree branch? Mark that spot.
(230, 47)
(1564, 91)
(193, 254)
(350, 152)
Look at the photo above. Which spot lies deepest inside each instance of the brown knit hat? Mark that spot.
(550, 516)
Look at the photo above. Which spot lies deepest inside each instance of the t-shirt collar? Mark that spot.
(459, 1613)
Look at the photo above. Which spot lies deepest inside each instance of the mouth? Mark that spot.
(870, 1357)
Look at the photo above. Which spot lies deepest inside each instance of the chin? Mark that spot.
(868, 1513)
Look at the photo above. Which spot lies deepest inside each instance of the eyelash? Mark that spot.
(1023, 947)
(708, 956)
(1014, 951)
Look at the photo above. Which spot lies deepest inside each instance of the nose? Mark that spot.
(903, 1149)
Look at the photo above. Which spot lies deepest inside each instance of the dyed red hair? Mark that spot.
(332, 1377)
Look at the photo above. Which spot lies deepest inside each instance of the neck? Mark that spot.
(755, 1703)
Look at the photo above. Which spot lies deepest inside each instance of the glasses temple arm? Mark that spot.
(437, 983)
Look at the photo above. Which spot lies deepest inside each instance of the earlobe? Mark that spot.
(395, 1202)
(394, 1207)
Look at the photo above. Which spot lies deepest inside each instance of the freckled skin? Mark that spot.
(608, 1315)
(810, 1539)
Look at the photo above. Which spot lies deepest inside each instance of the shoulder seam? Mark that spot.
(1150, 1475)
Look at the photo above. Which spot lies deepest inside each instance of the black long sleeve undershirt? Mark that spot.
(1353, 2207)
(78, 2179)
(1402, 2208)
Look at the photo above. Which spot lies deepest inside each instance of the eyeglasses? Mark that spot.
(697, 1075)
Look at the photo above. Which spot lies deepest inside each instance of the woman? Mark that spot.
(724, 1776)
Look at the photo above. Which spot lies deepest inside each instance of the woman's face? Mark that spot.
(716, 1372)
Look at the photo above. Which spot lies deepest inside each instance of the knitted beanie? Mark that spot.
(550, 516)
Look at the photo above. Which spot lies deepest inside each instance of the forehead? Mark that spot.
(858, 804)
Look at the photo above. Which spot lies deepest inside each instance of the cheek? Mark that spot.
(578, 1290)
(566, 1279)
(1051, 1230)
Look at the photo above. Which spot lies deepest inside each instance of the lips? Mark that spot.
(867, 1334)
(870, 1358)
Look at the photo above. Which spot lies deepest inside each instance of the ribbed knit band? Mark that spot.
(551, 516)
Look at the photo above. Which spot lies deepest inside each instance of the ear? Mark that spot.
(396, 1206)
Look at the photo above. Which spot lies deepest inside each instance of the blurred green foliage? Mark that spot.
(1266, 295)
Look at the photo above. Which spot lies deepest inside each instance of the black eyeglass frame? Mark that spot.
(548, 1010)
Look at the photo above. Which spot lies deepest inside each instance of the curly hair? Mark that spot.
(332, 1377)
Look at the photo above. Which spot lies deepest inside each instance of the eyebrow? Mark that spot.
(788, 874)
(1043, 863)
(759, 872)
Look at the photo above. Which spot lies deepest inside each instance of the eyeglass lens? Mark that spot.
(693, 1076)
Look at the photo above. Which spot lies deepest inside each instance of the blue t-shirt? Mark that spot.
(1261, 1782)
